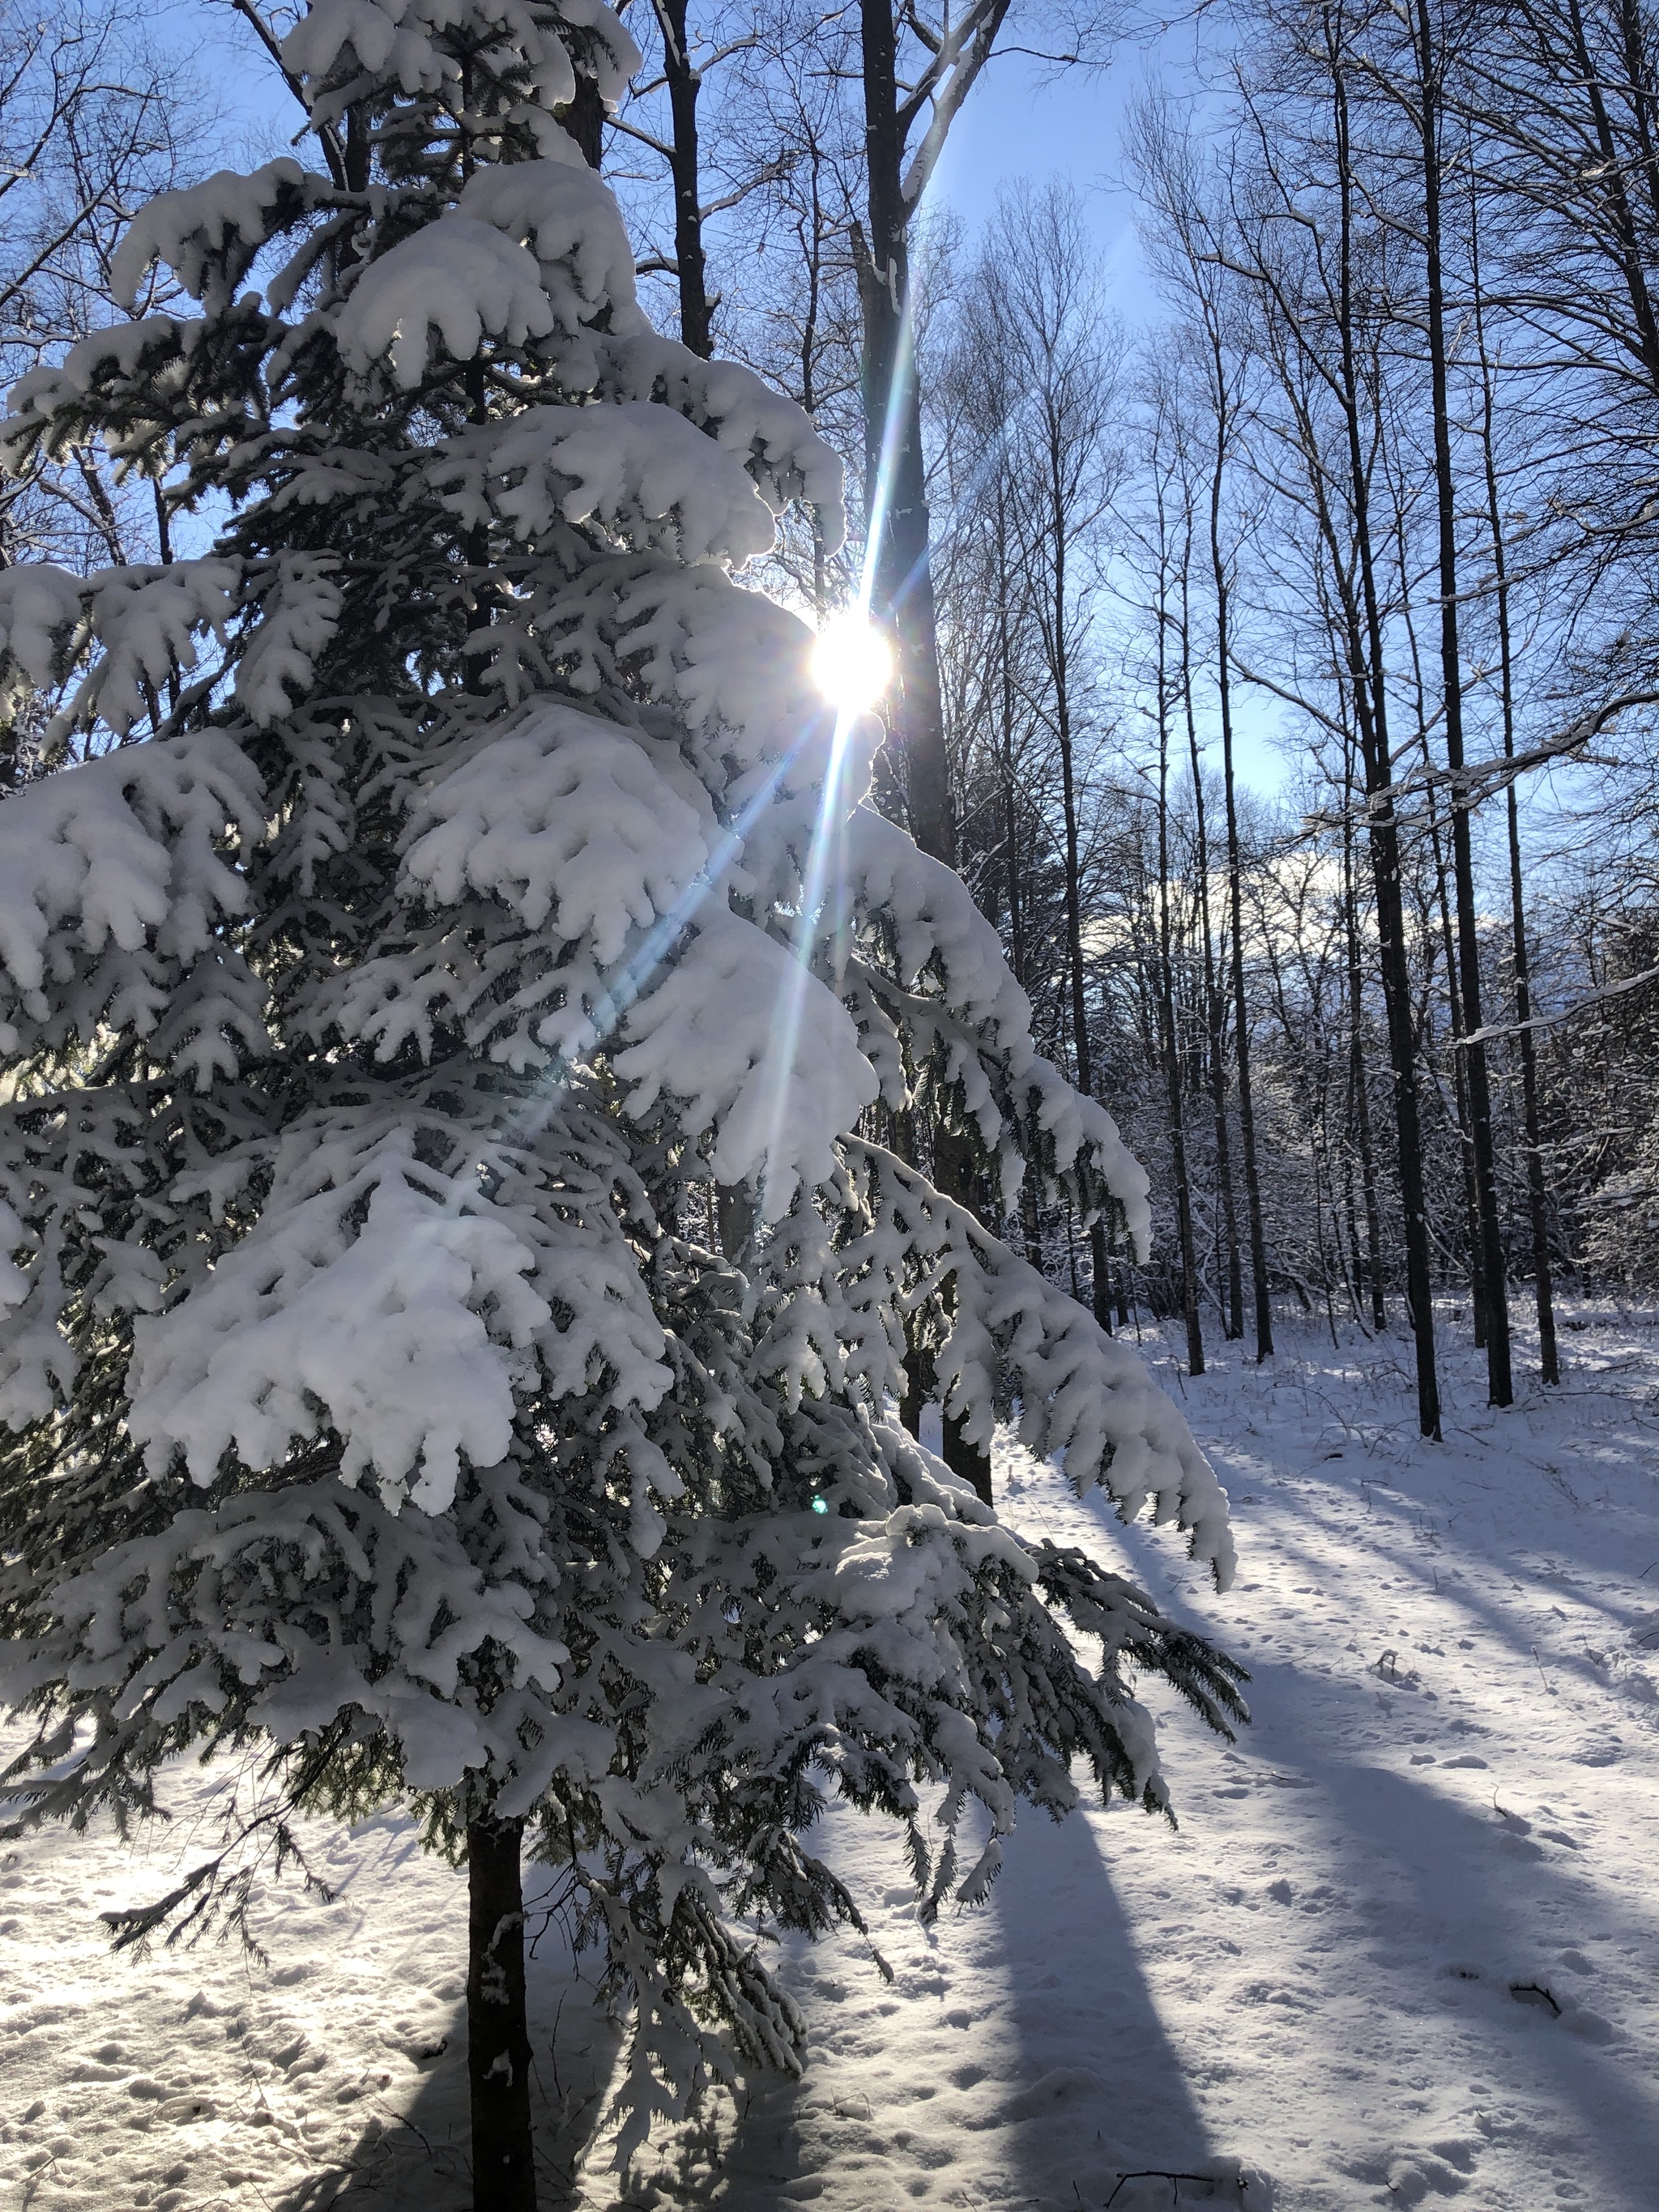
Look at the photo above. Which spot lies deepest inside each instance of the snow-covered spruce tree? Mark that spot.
(487, 892)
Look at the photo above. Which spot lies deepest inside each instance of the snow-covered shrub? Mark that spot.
(488, 886)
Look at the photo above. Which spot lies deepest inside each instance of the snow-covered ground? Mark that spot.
(1402, 1949)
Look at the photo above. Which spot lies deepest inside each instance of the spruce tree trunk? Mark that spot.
(970, 1462)
(584, 120)
(497, 2026)
(734, 1219)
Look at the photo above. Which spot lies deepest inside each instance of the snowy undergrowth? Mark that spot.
(1400, 1951)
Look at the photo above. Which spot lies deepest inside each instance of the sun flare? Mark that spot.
(852, 662)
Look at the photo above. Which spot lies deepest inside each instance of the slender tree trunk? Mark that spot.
(1471, 1249)
(1459, 1085)
(1396, 994)
(1537, 1193)
(1499, 1385)
(1081, 1060)
(809, 363)
(1010, 782)
(497, 2027)
(1171, 1039)
(1359, 1077)
(1259, 1291)
(1232, 1310)
(897, 521)
(895, 496)
(1368, 666)
(896, 510)
(684, 82)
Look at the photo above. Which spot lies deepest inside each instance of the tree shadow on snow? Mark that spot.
(1017, 2059)
(1471, 1917)
(1105, 2104)
(412, 2153)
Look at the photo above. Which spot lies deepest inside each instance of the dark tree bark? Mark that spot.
(895, 492)
(895, 503)
(971, 1461)
(1459, 1084)
(734, 1219)
(1367, 670)
(697, 314)
(585, 119)
(1537, 1190)
(1215, 1011)
(1260, 1295)
(497, 2026)
(1171, 1040)
(1499, 1385)
(1358, 1081)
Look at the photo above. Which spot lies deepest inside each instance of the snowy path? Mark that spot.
(1448, 1796)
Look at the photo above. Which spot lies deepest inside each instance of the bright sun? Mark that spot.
(851, 665)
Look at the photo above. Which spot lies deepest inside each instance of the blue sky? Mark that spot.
(1024, 119)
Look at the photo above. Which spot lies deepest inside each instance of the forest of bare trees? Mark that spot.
(1369, 477)
(1375, 473)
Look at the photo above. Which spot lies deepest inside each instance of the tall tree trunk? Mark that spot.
(1232, 1310)
(1082, 1065)
(1549, 1363)
(1367, 677)
(1358, 1078)
(895, 492)
(897, 523)
(497, 2027)
(1010, 785)
(684, 82)
(1537, 1192)
(1259, 1291)
(1459, 1084)
(1171, 1040)
(1499, 1385)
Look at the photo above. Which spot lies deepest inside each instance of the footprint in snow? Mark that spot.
(1412, 2173)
